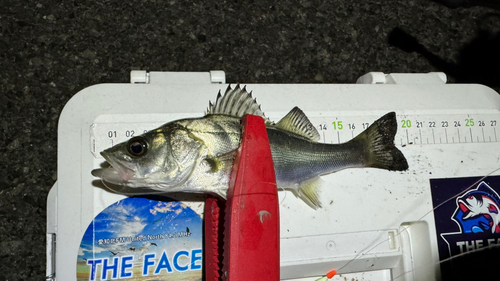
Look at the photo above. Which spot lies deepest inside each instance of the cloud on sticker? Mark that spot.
(120, 208)
(165, 207)
(80, 251)
(122, 221)
(131, 228)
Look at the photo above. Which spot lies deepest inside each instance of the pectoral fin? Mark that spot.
(221, 163)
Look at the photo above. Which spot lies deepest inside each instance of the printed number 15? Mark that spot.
(337, 125)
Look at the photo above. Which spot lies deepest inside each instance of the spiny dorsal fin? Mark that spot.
(298, 123)
(236, 103)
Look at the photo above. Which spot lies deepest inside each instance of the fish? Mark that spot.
(482, 201)
(196, 154)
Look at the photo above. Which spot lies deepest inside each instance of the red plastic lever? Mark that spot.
(214, 214)
(251, 237)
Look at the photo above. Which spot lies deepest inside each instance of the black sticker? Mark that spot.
(467, 217)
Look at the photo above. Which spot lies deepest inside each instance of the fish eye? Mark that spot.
(137, 146)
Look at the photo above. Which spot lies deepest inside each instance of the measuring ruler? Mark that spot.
(419, 129)
(415, 129)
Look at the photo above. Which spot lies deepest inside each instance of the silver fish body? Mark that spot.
(196, 155)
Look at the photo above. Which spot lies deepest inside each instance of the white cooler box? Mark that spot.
(374, 224)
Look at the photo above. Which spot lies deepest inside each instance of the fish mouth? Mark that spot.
(115, 183)
(465, 207)
(119, 173)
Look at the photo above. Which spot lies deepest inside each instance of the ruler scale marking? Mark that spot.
(106, 134)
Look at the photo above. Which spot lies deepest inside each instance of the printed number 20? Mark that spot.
(406, 124)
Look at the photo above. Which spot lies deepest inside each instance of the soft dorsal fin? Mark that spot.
(298, 123)
(236, 103)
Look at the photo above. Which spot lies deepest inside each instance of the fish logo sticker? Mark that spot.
(477, 210)
(468, 227)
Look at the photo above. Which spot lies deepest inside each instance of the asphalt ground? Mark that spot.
(50, 50)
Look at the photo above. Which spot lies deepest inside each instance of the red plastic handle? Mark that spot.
(251, 242)
(251, 225)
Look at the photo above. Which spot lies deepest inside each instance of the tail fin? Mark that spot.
(379, 137)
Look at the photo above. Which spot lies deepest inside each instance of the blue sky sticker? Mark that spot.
(141, 238)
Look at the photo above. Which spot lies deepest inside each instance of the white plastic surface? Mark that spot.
(416, 246)
(372, 78)
(416, 78)
(362, 207)
(217, 76)
(403, 78)
(139, 76)
(51, 232)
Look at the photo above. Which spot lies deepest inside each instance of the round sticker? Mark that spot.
(142, 239)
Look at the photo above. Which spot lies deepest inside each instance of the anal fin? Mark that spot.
(308, 191)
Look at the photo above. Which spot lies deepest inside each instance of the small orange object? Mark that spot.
(331, 274)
